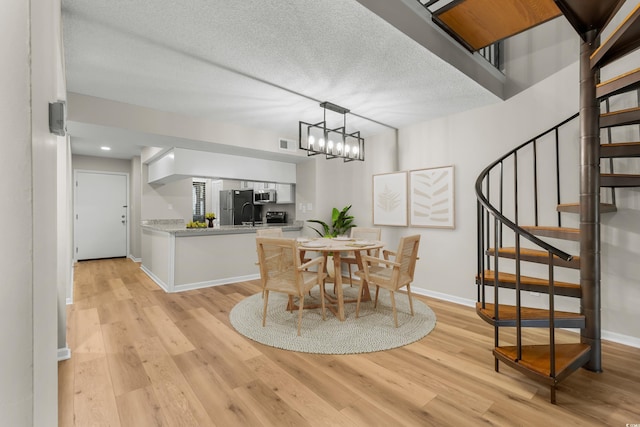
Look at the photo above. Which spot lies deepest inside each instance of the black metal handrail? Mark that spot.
(484, 201)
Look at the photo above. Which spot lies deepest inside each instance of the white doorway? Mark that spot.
(100, 215)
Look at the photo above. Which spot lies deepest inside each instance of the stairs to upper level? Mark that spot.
(534, 245)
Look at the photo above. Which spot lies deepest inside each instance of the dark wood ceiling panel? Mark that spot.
(480, 23)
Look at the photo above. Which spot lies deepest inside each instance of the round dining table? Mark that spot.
(336, 246)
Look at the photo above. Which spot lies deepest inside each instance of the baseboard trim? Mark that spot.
(217, 282)
(64, 353)
(154, 278)
(621, 339)
(134, 259)
(444, 297)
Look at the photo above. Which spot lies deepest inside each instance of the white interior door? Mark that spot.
(100, 215)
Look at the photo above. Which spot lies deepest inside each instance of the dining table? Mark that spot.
(335, 247)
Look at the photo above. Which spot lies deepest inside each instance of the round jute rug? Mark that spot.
(373, 331)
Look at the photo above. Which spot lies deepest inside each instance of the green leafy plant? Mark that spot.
(210, 215)
(341, 223)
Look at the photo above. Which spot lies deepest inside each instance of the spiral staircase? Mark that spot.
(514, 234)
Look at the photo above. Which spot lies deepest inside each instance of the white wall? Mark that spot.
(16, 263)
(30, 78)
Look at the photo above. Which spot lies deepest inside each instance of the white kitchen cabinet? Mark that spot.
(284, 193)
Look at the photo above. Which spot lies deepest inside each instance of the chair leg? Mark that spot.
(350, 278)
(393, 305)
(324, 317)
(359, 298)
(410, 300)
(264, 310)
(300, 312)
(375, 303)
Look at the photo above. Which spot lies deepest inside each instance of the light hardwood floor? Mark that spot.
(142, 357)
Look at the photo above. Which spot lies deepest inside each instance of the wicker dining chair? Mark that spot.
(361, 233)
(282, 271)
(391, 275)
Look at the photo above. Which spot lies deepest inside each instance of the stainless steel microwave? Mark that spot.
(261, 197)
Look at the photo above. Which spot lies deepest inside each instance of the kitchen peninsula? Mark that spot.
(179, 259)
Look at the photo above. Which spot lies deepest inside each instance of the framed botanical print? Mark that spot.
(432, 197)
(390, 199)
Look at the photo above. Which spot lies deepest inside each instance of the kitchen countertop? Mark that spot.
(178, 228)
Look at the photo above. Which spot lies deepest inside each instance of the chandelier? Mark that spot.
(316, 138)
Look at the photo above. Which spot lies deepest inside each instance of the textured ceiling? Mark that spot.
(263, 64)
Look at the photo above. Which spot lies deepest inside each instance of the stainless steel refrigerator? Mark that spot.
(236, 207)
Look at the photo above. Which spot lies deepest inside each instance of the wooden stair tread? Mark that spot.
(530, 317)
(564, 233)
(511, 278)
(628, 116)
(620, 149)
(536, 358)
(575, 208)
(535, 255)
(619, 180)
(480, 23)
(509, 311)
(619, 84)
(623, 40)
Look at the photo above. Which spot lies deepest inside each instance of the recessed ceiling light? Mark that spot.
(105, 148)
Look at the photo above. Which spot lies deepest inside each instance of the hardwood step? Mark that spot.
(564, 233)
(535, 255)
(619, 180)
(480, 23)
(620, 84)
(531, 284)
(536, 361)
(575, 208)
(623, 40)
(629, 116)
(529, 317)
(620, 149)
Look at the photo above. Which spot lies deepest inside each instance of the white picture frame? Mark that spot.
(432, 197)
(390, 199)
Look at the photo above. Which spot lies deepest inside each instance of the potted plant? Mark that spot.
(210, 216)
(341, 223)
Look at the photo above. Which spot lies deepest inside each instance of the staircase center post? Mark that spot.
(590, 202)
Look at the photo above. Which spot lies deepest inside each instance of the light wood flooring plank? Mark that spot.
(269, 407)
(94, 402)
(224, 407)
(174, 341)
(296, 394)
(125, 366)
(176, 398)
(140, 408)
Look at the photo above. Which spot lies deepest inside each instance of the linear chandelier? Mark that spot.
(316, 138)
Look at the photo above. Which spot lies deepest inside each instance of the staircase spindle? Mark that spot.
(557, 146)
(515, 186)
(535, 181)
(518, 302)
